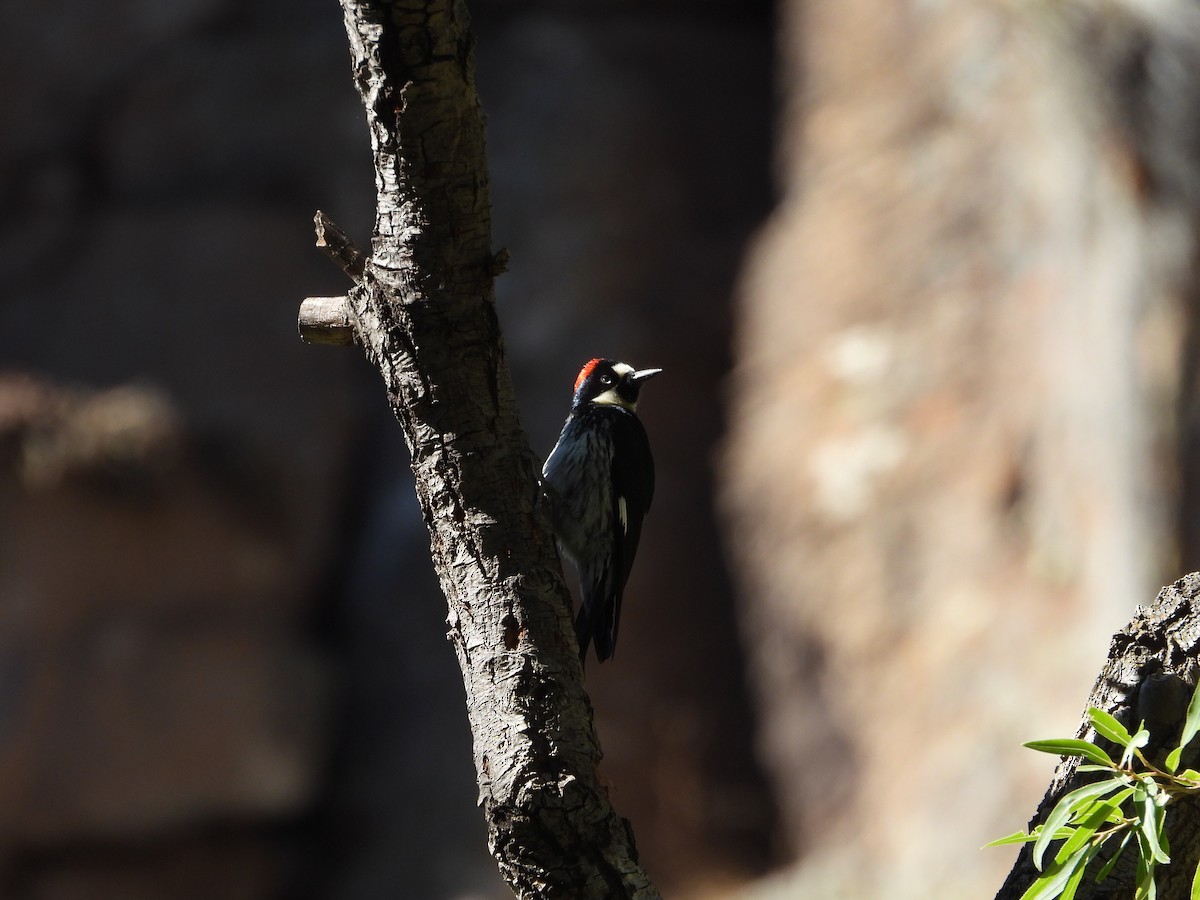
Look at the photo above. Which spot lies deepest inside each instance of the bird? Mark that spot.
(599, 483)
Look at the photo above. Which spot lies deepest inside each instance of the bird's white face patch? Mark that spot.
(623, 513)
(611, 397)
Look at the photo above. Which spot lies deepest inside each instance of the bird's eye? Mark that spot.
(606, 380)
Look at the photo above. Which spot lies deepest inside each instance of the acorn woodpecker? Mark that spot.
(599, 481)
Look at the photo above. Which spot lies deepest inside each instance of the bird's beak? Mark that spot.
(643, 374)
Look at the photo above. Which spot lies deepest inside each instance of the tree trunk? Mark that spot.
(424, 313)
(951, 424)
(1152, 664)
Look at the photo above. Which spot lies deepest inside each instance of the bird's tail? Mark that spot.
(594, 624)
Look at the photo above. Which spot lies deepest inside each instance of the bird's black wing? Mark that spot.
(633, 491)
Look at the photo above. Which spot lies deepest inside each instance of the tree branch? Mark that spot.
(338, 247)
(423, 311)
(326, 320)
(1151, 666)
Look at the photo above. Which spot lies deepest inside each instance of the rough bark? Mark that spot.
(424, 314)
(1152, 664)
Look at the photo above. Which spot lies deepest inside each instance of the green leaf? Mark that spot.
(1136, 742)
(1083, 835)
(1192, 723)
(1195, 894)
(1017, 837)
(1073, 747)
(1021, 837)
(1109, 727)
(1044, 839)
(1151, 825)
(1114, 769)
(1172, 762)
(1051, 883)
(1113, 804)
(1146, 889)
(1073, 882)
(1190, 775)
(1061, 813)
(1112, 860)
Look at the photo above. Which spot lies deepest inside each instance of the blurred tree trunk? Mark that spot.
(951, 453)
(424, 313)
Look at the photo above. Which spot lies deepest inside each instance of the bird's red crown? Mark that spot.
(587, 369)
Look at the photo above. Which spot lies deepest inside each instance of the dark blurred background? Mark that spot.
(923, 281)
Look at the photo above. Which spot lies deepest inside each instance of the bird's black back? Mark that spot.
(632, 473)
